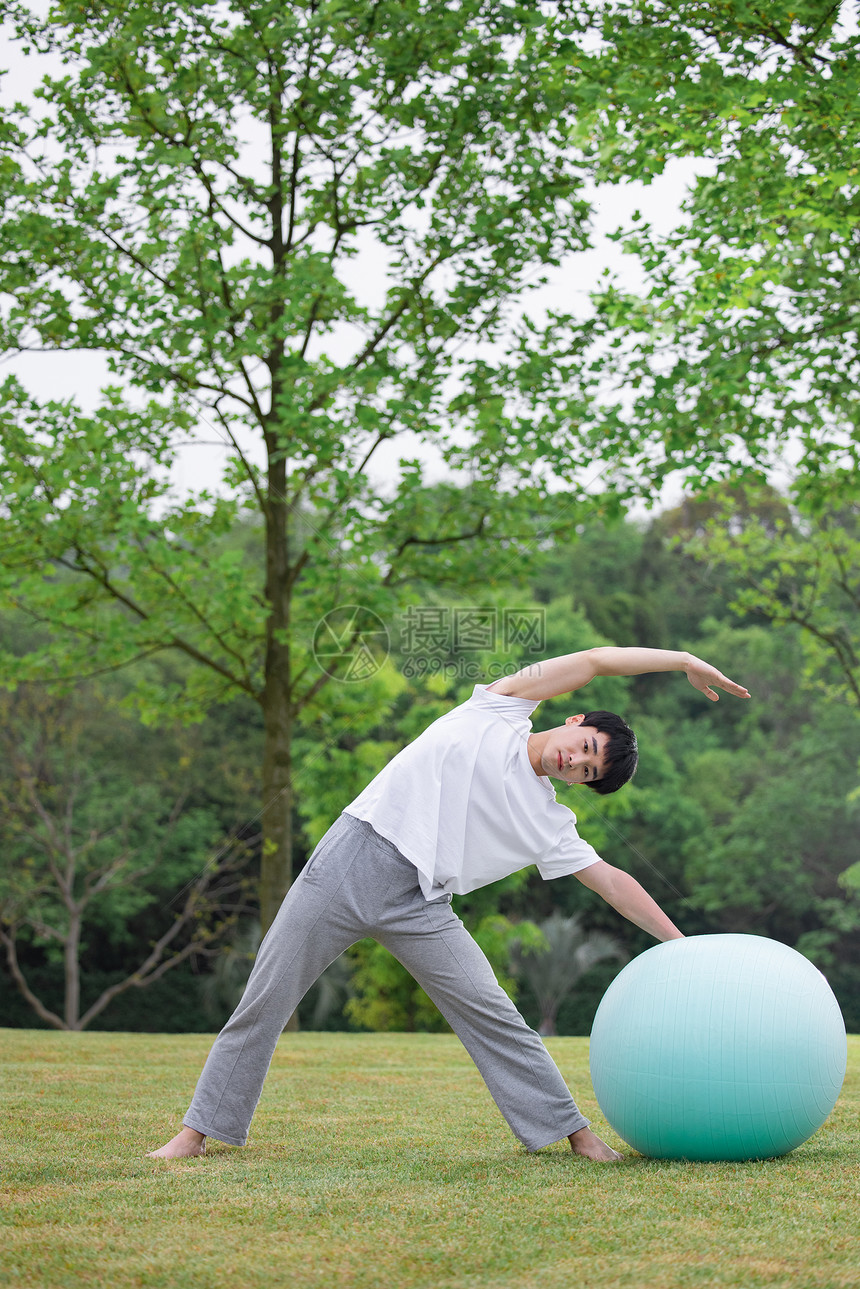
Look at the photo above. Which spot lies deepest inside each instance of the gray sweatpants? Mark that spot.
(356, 884)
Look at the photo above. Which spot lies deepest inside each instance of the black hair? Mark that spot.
(621, 756)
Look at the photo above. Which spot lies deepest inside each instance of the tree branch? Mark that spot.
(246, 464)
(185, 599)
(102, 577)
(197, 166)
(152, 968)
(7, 938)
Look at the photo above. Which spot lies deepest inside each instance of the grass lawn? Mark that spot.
(380, 1160)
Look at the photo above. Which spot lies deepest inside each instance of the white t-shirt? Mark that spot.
(463, 803)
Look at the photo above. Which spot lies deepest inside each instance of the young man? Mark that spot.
(468, 802)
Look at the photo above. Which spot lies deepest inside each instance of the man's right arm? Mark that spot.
(629, 898)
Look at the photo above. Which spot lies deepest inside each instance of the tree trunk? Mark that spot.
(276, 865)
(276, 870)
(71, 952)
(546, 1028)
(276, 862)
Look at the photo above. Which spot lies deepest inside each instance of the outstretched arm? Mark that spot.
(571, 671)
(631, 899)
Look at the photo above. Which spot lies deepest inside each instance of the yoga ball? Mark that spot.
(718, 1047)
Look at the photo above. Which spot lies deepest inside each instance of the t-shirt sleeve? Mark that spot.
(568, 854)
(506, 705)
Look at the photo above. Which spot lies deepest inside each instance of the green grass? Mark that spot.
(380, 1160)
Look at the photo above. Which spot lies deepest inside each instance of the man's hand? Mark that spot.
(704, 677)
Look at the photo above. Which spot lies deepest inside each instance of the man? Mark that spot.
(468, 802)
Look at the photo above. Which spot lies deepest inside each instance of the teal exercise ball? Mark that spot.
(718, 1047)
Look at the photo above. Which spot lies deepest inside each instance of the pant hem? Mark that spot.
(582, 1122)
(198, 1126)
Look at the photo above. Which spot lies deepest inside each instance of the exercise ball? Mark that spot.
(718, 1047)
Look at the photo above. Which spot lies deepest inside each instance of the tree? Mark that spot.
(800, 570)
(553, 968)
(190, 199)
(88, 846)
(746, 334)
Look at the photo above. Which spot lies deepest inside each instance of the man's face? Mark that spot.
(575, 753)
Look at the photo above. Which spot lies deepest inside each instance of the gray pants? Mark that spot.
(357, 884)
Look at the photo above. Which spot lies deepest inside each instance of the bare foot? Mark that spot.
(589, 1145)
(185, 1145)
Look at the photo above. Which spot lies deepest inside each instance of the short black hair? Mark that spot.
(622, 754)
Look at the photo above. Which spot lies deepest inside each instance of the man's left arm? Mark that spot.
(629, 898)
